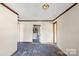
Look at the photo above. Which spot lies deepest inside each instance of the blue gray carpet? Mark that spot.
(30, 49)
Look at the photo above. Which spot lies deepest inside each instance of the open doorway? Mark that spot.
(36, 33)
(55, 32)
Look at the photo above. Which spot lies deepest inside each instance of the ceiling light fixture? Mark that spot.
(45, 6)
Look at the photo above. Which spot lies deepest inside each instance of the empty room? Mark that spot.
(39, 29)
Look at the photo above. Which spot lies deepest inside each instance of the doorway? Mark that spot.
(55, 32)
(36, 33)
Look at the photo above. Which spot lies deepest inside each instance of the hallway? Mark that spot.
(36, 49)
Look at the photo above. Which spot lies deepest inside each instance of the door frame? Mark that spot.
(55, 32)
(37, 33)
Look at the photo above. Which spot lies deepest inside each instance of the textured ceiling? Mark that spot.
(34, 11)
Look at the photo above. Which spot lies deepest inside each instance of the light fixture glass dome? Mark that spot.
(45, 6)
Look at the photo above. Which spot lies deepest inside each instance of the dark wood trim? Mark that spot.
(39, 20)
(65, 11)
(9, 8)
(34, 20)
(50, 20)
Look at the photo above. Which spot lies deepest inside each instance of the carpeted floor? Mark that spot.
(30, 49)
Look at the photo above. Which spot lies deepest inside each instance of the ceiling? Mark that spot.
(34, 11)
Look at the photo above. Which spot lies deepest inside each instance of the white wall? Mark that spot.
(46, 32)
(68, 31)
(8, 31)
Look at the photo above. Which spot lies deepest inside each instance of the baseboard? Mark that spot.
(14, 53)
(60, 52)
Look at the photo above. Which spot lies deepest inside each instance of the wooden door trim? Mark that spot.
(54, 31)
